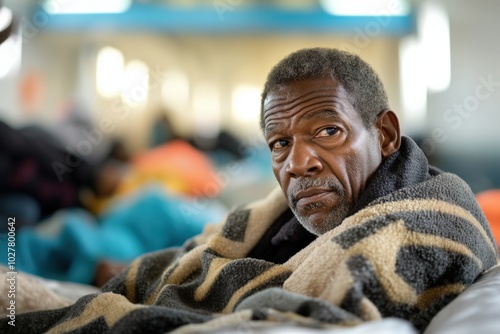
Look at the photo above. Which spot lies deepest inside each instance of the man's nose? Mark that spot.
(303, 161)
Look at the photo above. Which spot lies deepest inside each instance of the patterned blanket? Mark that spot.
(416, 244)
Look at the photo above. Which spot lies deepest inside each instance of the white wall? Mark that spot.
(475, 54)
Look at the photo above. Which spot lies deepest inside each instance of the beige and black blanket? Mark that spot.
(414, 242)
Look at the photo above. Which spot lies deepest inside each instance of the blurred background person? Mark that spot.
(36, 179)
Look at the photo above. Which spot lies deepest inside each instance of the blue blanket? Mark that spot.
(148, 221)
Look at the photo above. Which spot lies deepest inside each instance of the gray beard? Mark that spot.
(334, 217)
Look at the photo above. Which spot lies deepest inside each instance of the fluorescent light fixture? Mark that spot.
(135, 88)
(246, 103)
(109, 72)
(175, 89)
(206, 110)
(434, 34)
(366, 7)
(86, 6)
(413, 84)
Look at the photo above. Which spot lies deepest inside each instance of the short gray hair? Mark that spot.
(366, 91)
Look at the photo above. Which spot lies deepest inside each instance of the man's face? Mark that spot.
(322, 154)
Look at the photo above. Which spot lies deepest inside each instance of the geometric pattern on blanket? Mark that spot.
(405, 255)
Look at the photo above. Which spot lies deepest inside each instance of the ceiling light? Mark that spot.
(109, 72)
(86, 6)
(246, 103)
(175, 89)
(413, 84)
(206, 110)
(366, 7)
(434, 34)
(135, 86)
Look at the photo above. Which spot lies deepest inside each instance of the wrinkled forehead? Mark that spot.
(298, 88)
(294, 94)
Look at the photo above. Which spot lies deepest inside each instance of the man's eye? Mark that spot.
(328, 132)
(280, 143)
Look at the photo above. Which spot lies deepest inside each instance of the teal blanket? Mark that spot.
(148, 221)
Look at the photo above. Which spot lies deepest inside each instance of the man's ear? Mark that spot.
(389, 133)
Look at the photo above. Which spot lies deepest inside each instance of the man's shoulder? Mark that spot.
(439, 186)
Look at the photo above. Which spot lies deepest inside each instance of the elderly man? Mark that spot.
(362, 227)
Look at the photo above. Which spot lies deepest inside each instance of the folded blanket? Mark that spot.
(405, 254)
(30, 294)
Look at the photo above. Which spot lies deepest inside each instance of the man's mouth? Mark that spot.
(310, 196)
